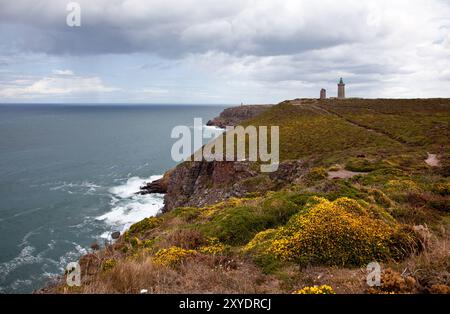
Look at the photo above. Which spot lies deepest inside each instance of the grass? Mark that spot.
(305, 132)
(236, 225)
(418, 122)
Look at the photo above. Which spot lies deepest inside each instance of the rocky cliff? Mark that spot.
(235, 115)
(196, 184)
(203, 183)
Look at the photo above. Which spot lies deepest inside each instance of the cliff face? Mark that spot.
(197, 184)
(200, 183)
(235, 115)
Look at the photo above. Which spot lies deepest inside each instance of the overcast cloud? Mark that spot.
(251, 51)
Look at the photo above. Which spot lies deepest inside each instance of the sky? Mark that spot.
(222, 52)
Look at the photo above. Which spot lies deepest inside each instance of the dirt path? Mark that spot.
(344, 174)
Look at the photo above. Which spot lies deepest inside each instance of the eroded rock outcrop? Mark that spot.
(235, 115)
(157, 186)
(203, 183)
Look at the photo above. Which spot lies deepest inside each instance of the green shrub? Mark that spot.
(257, 249)
(380, 198)
(338, 188)
(237, 225)
(144, 225)
(135, 242)
(316, 174)
(188, 214)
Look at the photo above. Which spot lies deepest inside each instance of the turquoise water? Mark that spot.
(68, 174)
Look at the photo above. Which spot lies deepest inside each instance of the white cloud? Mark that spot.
(60, 83)
(256, 27)
(63, 72)
(249, 50)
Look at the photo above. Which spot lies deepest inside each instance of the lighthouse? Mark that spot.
(341, 89)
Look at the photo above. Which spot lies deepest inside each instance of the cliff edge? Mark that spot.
(235, 115)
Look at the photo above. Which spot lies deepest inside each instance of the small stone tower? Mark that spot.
(341, 89)
(323, 93)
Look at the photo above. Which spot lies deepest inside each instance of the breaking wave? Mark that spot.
(127, 207)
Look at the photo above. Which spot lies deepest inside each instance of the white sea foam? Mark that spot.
(70, 256)
(84, 187)
(126, 209)
(132, 186)
(129, 208)
(25, 257)
(213, 128)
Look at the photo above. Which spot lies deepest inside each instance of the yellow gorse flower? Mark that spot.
(172, 256)
(324, 289)
(213, 247)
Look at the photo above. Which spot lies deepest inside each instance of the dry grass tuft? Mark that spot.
(200, 274)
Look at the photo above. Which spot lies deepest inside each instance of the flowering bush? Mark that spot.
(260, 239)
(172, 256)
(324, 289)
(336, 233)
(213, 247)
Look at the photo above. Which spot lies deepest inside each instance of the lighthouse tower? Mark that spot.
(341, 89)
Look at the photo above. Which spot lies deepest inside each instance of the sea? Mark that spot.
(69, 174)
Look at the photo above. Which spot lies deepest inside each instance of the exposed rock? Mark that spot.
(203, 183)
(157, 186)
(235, 115)
(115, 235)
(153, 187)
